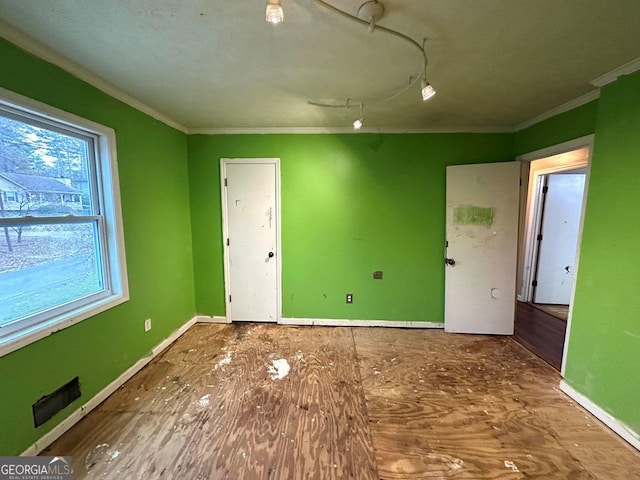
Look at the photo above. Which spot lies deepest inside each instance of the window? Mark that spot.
(9, 196)
(61, 258)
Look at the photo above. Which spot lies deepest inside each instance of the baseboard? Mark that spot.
(627, 434)
(207, 319)
(343, 322)
(57, 431)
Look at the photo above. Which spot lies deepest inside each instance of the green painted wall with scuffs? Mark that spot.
(351, 204)
(603, 361)
(152, 164)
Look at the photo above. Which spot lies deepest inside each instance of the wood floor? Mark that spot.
(558, 311)
(540, 332)
(256, 401)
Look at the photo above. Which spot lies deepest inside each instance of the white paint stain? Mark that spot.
(299, 357)
(278, 369)
(446, 462)
(511, 465)
(100, 454)
(204, 401)
(226, 360)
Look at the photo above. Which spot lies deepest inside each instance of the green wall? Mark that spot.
(603, 360)
(152, 161)
(566, 126)
(351, 204)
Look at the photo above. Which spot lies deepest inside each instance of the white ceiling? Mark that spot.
(217, 64)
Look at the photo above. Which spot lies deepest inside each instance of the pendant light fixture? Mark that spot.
(274, 13)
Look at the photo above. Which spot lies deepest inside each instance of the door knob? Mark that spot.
(271, 254)
(449, 261)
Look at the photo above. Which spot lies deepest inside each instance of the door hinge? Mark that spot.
(545, 189)
(225, 182)
(534, 283)
(229, 298)
(520, 182)
(539, 237)
(227, 242)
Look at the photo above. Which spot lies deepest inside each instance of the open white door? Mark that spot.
(482, 242)
(555, 271)
(251, 216)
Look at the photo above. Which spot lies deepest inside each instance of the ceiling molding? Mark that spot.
(613, 75)
(351, 130)
(24, 41)
(565, 107)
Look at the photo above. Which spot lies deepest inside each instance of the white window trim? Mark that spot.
(107, 172)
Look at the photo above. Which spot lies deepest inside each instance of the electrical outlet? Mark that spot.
(349, 297)
(147, 325)
(377, 275)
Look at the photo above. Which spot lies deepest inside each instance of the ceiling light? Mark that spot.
(427, 90)
(274, 13)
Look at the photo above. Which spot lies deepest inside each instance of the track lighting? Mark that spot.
(274, 13)
(369, 13)
(427, 90)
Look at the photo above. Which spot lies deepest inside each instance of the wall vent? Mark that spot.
(49, 405)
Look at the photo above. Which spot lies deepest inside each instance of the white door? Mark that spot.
(251, 206)
(482, 238)
(555, 272)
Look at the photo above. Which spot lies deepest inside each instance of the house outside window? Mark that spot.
(61, 258)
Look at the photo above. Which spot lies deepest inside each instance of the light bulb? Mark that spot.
(274, 13)
(358, 124)
(427, 91)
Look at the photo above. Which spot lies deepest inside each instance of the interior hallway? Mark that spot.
(357, 403)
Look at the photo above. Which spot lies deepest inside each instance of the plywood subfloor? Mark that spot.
(356, 404)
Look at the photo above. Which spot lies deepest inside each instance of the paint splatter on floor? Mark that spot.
(226, 360)
(101, 454)
(204, 401)
(511, 465)
(278, 369)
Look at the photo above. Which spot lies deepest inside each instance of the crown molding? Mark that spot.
(33, 46)
(565, 107)
(613, 75)
(342, 130)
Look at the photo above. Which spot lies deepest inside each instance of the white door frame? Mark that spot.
(225, 230)
(533, 217)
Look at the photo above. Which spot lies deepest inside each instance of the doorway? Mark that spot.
(251, 238)
(559, 197)
(549, 248)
